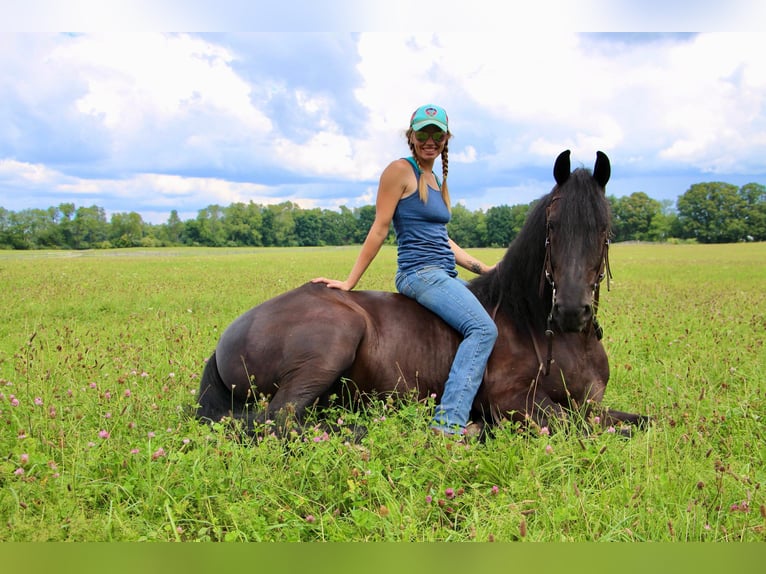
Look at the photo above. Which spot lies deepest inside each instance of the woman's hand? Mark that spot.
(334, 283)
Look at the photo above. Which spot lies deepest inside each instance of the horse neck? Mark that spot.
(523, 268)
(515, 287)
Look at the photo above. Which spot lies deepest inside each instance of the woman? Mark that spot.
(410, 194)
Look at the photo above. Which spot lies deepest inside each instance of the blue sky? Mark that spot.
(132, 113)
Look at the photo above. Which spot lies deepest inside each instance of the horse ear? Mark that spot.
(562, 169)
(603, 169)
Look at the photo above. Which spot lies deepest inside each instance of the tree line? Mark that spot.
(707, 213)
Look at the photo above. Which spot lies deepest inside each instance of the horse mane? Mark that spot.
(514, 286)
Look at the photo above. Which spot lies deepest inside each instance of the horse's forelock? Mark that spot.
(582, 210)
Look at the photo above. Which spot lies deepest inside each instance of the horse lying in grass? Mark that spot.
(311, 343)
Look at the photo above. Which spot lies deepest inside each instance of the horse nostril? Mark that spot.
(572, 318)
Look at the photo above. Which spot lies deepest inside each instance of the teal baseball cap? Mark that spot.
(429, 115)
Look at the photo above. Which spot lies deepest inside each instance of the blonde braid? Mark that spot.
(445, 169)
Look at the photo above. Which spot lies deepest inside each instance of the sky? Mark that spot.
(117, 104)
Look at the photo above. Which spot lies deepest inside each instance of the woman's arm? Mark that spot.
(393, 182)
(467, 262)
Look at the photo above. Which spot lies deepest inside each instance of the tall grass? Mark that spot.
(100, 356)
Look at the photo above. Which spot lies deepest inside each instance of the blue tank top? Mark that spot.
(421, 231)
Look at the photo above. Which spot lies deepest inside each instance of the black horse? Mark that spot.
(308, 344)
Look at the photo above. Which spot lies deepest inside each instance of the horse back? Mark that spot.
(383, 342)
(406, 347)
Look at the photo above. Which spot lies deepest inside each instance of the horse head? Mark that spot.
(576, 243)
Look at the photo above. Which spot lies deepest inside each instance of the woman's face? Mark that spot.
(429, 142)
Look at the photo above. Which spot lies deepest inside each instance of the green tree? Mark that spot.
(5, 227)
(308, 227)
(126, 229)
(278, 227)
(349, 223)
(243, 224)
(365, 215)
(209, 229)
(713, 213)
(35, 228)
(338, 228)
(90, 228)
(173, 230)
(754, 196)
(499, 226)
(467, 228)
(66, 223)
(633, 216)
(50, 235)
(663, 222)
(518, 218)
(12, 231)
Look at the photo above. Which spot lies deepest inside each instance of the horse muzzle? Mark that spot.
(572, 318)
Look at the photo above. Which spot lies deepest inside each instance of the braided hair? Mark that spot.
(422, 185)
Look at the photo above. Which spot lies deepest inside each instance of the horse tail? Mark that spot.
(214, 398)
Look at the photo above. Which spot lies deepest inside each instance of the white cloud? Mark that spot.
(466, 155)
(151, 192)
(686, 100)
(326, 151)
(716, 116)
(135, 79)
(17, 172)
(167, 119)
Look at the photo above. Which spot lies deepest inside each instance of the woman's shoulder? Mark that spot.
(400, 168)
(398, 178)
(402, 163)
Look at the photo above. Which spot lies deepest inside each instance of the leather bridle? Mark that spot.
(604, 271)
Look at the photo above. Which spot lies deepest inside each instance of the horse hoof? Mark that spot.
(473, 430)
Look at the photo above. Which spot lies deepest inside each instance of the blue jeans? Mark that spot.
(449, 298)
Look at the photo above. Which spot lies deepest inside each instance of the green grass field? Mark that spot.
(101, 352)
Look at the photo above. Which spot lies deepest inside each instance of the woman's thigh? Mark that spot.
(446, 296)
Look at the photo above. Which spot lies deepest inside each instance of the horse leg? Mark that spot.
(308, 381)
(286, 410)
(214, 399)
(611, 417)
(546, 412)
(543, 412)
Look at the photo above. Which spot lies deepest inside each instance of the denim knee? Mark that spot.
(484, 329)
